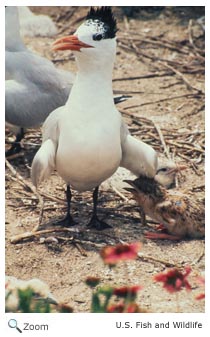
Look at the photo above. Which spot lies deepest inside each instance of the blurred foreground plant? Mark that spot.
(31, 296)
(174, 280)
(107, 299)
(34, 295)
(201, 281)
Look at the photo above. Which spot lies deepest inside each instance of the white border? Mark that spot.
(100, 3)
(96, 324)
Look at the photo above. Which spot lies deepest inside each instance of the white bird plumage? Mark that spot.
(86, 140)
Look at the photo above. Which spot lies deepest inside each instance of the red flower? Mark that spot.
(123, 308)
(115, 308)
(114, 254)
(200, 280)
(174, 280)
(132, 308)
(127, 291)
(200, 296)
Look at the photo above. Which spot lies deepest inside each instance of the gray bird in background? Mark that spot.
(34, 86)
(35, 25)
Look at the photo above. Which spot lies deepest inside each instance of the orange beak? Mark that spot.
(70, 42)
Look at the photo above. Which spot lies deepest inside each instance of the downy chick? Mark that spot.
(182, 215)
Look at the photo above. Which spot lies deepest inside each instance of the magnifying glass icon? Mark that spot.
(13, 324)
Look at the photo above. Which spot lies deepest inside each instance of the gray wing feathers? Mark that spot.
(43, 89)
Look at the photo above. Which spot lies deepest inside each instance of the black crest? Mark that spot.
(104, 15)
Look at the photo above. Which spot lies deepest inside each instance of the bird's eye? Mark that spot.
(97, 37)
(163, 169)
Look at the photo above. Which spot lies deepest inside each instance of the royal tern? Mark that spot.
(86, 140)
(34, 86)
(35, 25)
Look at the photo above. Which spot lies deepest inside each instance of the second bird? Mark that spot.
(180, 213)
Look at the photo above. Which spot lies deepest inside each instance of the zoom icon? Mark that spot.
(13, 324)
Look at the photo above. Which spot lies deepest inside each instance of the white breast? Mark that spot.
(89, 150)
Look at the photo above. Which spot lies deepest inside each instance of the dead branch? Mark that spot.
(149, 75)
(162, 140)
(182, 77)
(160, 100)
(23, 182)
(121, 195)
(196, 49)
(157, 42)
(16, 155)
(28, 185)
(152, 259)
(32, 234)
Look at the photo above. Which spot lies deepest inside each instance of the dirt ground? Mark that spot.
(163, 50)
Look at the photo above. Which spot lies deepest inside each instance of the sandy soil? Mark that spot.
(65, 264)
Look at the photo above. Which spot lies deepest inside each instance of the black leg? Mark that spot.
(95, 200)
(142, 216)
(68, 220)
(16, 146)
(94, 221)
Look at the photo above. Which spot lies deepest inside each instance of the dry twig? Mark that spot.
(162, 140)
(182, 77)
(28, 185)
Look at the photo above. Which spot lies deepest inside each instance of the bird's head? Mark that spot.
(166, 173)
(95, 38)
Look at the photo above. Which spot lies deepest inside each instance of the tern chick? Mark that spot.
(181, 214)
